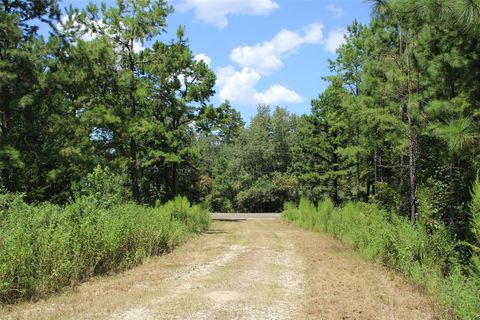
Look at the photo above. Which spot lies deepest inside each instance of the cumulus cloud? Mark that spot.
(266, 57)
(203, 57)
(278, 95)
(216, 11)
(238, 84)
(335, 39)
(239, 88)
(337, 11)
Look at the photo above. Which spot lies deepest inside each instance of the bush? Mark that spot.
(425, 253)
(102, 187)
(44, 248)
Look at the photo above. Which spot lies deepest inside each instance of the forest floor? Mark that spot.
(242, 269)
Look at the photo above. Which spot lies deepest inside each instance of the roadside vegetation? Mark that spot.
(46, 247)
(425, 253)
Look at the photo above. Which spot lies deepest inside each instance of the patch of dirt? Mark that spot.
(134, 314)
(250, 269)
(224, 296)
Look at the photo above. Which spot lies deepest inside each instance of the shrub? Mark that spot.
(102, 187)
(44, 248)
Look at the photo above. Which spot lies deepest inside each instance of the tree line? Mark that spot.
(87, 95)
(401, 110)
(397, 124)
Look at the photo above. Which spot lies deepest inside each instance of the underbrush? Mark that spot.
(46, 247)
(425, 253)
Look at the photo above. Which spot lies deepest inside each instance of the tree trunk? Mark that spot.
(134, 174)
(335, 191)
(4, 115)
(134, 169)
(412, 169)
(401, 116)
(412, 163)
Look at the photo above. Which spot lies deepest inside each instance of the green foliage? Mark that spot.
(70, 104)
(102, 187)
(458, 133)
(425, 255)
(250, 171)
(385, 195)
(432, 202)
(463, 294)
(267, 194)
(475, 210)
(317, 158)
(44, 248)
(194, 217)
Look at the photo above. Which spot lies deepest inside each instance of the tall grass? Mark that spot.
(424, 253)
(44, 248)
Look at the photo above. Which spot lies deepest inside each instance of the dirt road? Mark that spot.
(242, 269)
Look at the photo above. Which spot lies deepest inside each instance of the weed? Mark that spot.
(44, 248)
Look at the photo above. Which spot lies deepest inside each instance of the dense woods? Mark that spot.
(88, 96)
(397, 127)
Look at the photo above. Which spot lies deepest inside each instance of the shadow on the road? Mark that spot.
(216, 231)
(228, 220)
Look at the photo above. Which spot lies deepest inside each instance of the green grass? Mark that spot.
(424, 253)
(44, 248)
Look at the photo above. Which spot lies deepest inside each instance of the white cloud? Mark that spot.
(266, 57)
(138, 46)
(215, 11)
(239, 88)
(337, 11)
(278, 95)
(262, 59)
(203, 57)
(335, 39)
(313, 33)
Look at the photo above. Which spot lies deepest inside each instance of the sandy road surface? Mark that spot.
(242, 269)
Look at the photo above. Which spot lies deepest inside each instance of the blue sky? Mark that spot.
(264, 51)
